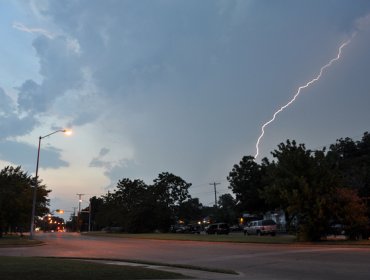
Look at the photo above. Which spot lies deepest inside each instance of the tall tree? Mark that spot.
(310, 191)
(133, 205)
(352, 160)
(96, 203)
(110, 213)
(169, 191)
(16, 191)
(246, 182)
(305, 186)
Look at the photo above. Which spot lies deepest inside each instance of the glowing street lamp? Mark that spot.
(65, 131)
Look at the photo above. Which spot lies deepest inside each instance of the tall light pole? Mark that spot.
(66, 131)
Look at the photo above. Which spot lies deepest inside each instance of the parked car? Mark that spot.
(194, 228)
(261, 227)
(218, 228)
(236, 228)
(178, 228)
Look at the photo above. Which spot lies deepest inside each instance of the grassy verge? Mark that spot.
(16, 240)
(234, 237)
(61, 269)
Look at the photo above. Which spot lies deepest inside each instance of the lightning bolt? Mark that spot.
(299, 92)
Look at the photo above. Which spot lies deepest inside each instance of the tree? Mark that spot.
(190, 210)
(313, 188)
(128, 207)
(137, 207)
(352, 161)
(16, 194)
(96, 205)
(246, 182)
(169, 192)
(304, 186)
(350, 211)
(227, 209)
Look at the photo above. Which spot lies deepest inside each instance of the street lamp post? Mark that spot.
(36, 179)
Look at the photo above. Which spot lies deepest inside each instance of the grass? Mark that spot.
(233, 237)
(27, 268)
(16, 240)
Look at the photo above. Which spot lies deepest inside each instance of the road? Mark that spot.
(253, 261)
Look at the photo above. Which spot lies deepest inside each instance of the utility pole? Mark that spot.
(79, 201)
(74, 211)
(89, 215)
(79, 209)
(214, 186)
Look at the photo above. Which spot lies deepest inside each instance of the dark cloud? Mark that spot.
(60, 70)
(31, 98)
(11, 123)
(99, 162)
(120, 170)
(187, 84)
(103, 152)
(25, 155)
(130, 44)
(176, 47)
(115, 170)
(5, 104)
(188, 50)
(96, 162)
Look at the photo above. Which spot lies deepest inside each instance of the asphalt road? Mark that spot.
(253, 261)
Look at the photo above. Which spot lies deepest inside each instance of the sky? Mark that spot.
(179, 86)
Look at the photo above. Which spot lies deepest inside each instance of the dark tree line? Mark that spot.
(315, 189)
(16, 192)
(137, 207)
